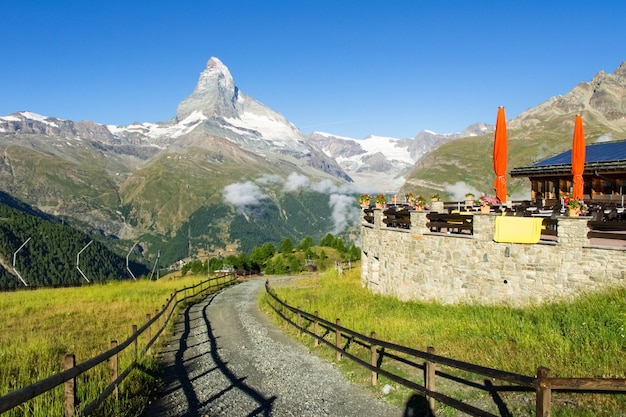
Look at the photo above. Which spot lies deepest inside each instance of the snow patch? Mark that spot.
(39, 118)
(330, 135)
(388, 147)
(155, 131)
(269, 128)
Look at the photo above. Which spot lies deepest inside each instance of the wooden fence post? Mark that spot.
(544, 392)
(113, 367)
(338, 341)
(69, 387)
(374, 359)
(429, 378)
(149, 330)
(316, 342)
(299, 322)
(135, 342)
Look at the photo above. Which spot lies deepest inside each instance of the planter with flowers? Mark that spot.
(574, 206)
(417, 201)
(380, 200)
(434, 197)
(486, 202)
(364, 200)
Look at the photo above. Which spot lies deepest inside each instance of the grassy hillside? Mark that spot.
(583, 338)
(40, 327)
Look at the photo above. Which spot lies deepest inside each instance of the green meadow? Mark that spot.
(40, 327)
(583, 338)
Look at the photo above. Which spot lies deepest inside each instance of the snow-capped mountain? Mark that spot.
(216, 108)
(379, 163)
(150, 177)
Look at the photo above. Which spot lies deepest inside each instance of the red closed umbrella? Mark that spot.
(500, 155)
(578, 158)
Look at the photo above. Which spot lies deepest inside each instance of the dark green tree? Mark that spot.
(306, 243)
(260, 255)
(286, 246)
(294, 264)
(279, 266)
(328, 241)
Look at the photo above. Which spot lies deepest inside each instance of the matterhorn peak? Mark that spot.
(215, 93)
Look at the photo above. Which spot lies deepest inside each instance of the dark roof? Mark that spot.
(598, 152)
(606, 156)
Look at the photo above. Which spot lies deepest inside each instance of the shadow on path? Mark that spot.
(265, 404)
(178, 376)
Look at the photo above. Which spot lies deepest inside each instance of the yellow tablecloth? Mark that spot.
(511, 229)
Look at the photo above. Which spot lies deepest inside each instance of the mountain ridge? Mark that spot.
(145, 181)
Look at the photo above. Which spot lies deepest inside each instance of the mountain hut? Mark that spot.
(604, 175)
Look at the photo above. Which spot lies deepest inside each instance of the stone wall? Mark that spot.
(416, 264)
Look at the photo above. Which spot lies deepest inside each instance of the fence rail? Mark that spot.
(542, 384)
(69, 375)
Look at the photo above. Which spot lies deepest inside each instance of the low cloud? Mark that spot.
(341, 201)
(268, 179)
(605, 138)
(247, 196)
(329, 187)
(296, 182)
(343, 211)
(244, 195)
(458, 190)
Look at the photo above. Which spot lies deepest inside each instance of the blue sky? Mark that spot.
(352, 68)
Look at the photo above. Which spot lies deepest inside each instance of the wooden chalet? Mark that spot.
(604, 175)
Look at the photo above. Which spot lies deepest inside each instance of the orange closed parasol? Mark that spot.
(500, 155)
(578, 158)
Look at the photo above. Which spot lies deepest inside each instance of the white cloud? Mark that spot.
(343, 211)
(605, 138)
(247, 196)
(459, 189)
(241, 195)
(296, 181)
(268, 179)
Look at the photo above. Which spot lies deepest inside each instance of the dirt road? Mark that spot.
(227, 359)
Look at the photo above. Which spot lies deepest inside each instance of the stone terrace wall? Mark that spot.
(416, 264)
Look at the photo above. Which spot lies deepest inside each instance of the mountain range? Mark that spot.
(465, 164)
(229, 172)
(224, 171)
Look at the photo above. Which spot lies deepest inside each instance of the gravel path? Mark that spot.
(227, 359)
